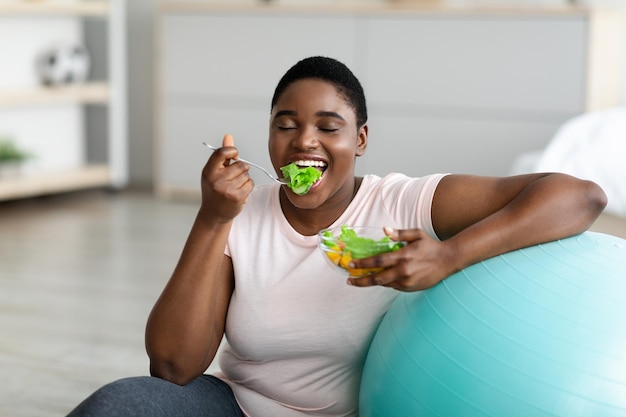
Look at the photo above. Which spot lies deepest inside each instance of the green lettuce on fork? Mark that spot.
(300, 179)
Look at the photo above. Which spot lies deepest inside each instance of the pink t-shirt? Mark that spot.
(297, 334)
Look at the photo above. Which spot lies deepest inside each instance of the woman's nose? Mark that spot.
(306, 139)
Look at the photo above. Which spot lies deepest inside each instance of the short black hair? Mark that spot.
(333, 72)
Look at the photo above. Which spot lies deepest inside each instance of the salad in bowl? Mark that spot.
(342, 244)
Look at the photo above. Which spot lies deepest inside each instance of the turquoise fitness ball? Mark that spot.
(539, 331)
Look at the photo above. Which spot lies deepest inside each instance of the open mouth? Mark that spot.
(319, 165)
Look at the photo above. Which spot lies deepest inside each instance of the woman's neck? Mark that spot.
(308, 222)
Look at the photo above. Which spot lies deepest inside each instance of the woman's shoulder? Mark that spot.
(399, 181)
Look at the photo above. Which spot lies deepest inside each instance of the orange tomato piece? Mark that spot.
(344, 261)
(334, 257)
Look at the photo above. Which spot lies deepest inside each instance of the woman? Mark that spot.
(297, 334)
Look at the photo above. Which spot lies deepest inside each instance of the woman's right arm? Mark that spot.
(187, 322)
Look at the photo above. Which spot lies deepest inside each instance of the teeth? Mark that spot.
(319, 164)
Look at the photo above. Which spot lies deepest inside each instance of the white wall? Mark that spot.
(141, 31)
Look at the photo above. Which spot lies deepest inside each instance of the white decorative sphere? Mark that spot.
(64, 64)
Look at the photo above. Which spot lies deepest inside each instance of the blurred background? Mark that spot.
(104, 106)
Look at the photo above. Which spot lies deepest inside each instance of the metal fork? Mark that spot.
(269, 174)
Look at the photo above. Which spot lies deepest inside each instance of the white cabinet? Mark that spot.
(77, 133)
(466, 91)
(449, 89)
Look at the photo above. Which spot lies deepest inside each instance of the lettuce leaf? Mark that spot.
(362, 247)
(300, 179)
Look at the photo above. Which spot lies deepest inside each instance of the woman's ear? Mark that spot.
(361, 144)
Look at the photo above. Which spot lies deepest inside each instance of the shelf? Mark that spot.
(91, 93)
(54, 7)
(21, 186)
(423, 7)
(30, 111)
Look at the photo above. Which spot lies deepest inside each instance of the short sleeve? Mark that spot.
(411, 199)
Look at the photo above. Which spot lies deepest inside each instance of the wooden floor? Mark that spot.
(78, 276)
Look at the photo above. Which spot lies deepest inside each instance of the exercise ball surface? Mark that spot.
(539, 331)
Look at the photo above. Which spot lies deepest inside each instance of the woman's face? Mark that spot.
(312, 125)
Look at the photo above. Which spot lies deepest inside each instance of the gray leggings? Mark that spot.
(145, 396)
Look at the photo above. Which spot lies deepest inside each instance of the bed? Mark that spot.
(590, 146)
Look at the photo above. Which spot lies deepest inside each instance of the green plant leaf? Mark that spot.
(9, 152)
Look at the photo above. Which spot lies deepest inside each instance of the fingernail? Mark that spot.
(388, 230)
(351, 265)
(349, 282)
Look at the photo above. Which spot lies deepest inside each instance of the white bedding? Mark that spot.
(591, 146)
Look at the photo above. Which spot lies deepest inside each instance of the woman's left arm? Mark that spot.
(481, 217)
(487, 216)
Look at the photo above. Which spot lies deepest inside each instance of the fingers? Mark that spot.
(225, 186)
(389, 262)
(391, 278)
(407, 235)
(228, 151)
(387, 277)
(224, 177)
(228, 140)
(398, 267)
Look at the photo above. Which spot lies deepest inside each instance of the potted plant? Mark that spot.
(11, 157)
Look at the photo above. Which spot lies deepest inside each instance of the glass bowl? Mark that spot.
(342, 244)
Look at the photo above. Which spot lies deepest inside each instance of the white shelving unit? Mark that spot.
(24, 103)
